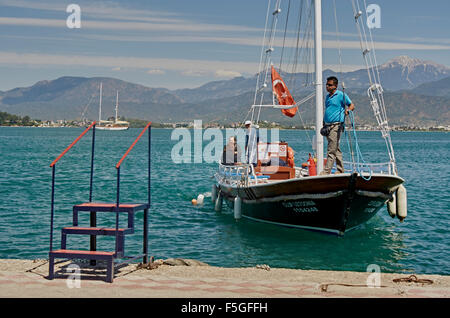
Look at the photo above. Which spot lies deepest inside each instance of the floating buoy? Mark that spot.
(237, 208)
(200, 199)
(213, 193)
(218, 203)
(401, 203)
(392, 206)
(194, 202)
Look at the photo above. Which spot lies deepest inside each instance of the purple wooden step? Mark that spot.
(95, 230)
(110, 207)
(80, 254)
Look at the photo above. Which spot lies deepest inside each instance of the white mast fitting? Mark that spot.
(319, 83)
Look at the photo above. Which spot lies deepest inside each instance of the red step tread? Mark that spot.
(93, 228)
(80, 252)
(107, 205)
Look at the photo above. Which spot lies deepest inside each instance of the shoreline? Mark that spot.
(27, 279)
(358, 130)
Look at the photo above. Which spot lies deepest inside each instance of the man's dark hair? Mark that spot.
(334, 79)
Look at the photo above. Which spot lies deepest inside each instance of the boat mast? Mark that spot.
(319, 83)
(100, 106)
(117, 104)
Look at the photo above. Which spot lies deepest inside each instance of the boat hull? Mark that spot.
(333, 204)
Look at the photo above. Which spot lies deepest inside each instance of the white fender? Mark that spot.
(401, 203)
(392, 206)
(218, 203)
(237, 208)
(214, 194)
(200, 199)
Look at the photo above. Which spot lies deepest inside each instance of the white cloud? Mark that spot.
(384, 45)
(181, 25)
(149, 20)
(256, 41)
(185, 66)
(156, 72)
(227, 74)
(196, 73)
(105, 9)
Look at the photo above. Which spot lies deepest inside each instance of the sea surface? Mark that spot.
(178, 229)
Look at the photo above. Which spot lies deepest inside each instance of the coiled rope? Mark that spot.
(413, 279)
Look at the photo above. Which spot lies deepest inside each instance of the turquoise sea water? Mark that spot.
(178, 229)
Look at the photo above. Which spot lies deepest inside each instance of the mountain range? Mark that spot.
(416, 93)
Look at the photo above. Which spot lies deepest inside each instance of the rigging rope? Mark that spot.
(338, 38)
(268, 51)
(349, 141)
(360, 162)
(257, 89)
(285, 32)
(375, 91)
(86, 107)
(307, 134)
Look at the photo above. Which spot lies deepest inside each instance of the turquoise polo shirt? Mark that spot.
(335, 107)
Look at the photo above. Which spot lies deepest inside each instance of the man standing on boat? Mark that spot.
(334, 117)
(231, 152)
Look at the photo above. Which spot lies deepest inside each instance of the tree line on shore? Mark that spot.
(7, 119)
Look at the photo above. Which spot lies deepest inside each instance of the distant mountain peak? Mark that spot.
(405, 61)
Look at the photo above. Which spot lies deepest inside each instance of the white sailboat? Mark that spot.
(109, 124)
(297, 196)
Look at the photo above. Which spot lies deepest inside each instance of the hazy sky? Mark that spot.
(186, 43)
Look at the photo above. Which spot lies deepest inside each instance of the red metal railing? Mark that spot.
(72, 144)
(132, 145)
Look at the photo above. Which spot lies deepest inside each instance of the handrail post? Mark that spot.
(93, 214)
(52, 207)
(92, 164)
(117, 211)
(149, 163)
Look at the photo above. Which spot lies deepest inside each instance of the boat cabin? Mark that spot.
(275, 160)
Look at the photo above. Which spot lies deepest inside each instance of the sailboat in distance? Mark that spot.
(271, 189)
(109, 124)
